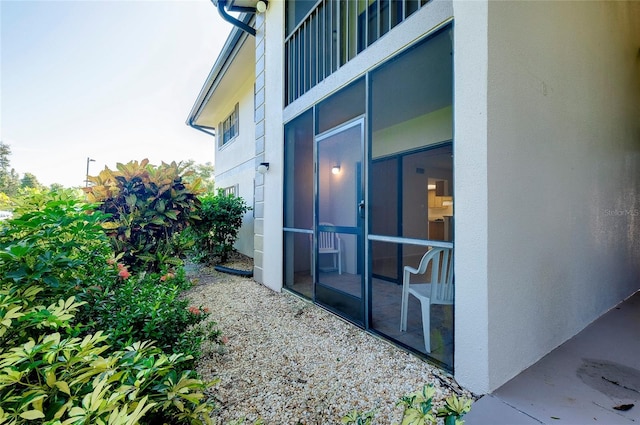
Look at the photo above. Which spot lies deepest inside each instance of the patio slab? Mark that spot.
(590, 379)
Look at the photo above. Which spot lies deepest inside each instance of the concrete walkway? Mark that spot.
(594, 378)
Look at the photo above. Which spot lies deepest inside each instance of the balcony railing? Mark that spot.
(333, 33)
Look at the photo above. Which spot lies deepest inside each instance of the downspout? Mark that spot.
(233, 21)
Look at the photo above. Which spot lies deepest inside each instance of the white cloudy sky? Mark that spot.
(109, 80)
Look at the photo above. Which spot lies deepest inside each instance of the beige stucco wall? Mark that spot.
(561, 138)
(471, 212)
(234, 161)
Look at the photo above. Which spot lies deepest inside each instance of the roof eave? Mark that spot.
(233, 42)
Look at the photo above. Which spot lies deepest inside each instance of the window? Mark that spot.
(411, 184)
(298, 203)
(231, 190)
(229, 128)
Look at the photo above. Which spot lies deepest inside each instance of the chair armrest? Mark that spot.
(410, 269)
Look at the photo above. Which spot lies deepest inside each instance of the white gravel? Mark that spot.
(289, 361)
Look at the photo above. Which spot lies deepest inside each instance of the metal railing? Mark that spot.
(333, 33)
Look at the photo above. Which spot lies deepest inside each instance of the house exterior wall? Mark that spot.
(259, 149)
(234, 162)
(471, 210)
(269, 60)
(546, 164)
(559, 214)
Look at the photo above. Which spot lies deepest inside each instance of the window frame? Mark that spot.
(229, 128)
(230, 190)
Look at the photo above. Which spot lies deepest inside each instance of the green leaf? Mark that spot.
(157, 220)
(63, 386)
(131, 200)
(172, 214)
(31, 415)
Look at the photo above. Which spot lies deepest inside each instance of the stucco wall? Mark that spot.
(563, 172)
(234, 163)
(470, 170)
(242, 176)
(273, 28)
(239, 149)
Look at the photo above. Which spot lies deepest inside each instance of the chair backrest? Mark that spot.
(441, 260)
(326, 240)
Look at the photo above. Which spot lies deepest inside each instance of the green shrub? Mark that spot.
(61, 246)
(148, 206)
(419, 410)
(56, 241)
(149, 306)
(216, 230)
(356, 417)
(46, 377)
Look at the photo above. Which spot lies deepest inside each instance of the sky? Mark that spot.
(109, 80)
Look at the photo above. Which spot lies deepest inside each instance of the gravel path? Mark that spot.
(288, 361)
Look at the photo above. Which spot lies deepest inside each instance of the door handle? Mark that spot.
(361, 208)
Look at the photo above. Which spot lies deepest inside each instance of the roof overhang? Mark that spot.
(234, 65)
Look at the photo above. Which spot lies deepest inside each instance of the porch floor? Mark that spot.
(580, 382)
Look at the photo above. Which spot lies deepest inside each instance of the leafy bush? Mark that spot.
(357, 417)
(46, 377)
(419, 410)
(148, 206)
(150, 307)
(61, 246)
(216, 230)
(56, 241)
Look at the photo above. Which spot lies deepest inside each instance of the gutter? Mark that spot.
(210, 131)
(233, 21)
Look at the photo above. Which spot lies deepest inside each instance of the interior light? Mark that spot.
(431, 187)
(335, 169)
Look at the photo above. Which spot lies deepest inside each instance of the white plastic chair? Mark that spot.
(439, 290)
(330, 243)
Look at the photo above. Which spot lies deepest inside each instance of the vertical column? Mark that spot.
(472, 299)
(258, 241)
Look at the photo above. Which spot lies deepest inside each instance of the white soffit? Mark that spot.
(240, 67)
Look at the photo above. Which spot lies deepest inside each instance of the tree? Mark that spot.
(202, 171)
(9, 181)
(29, 180)
(5, 152)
